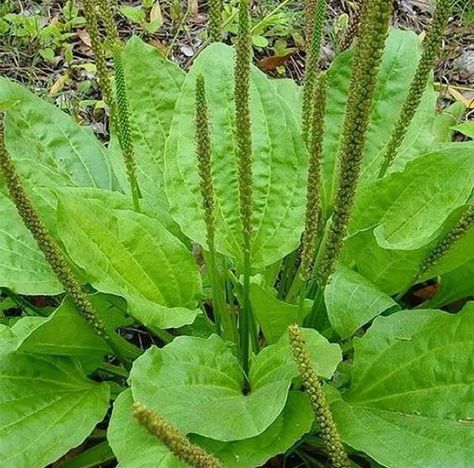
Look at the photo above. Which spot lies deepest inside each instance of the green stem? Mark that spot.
(246, 317)
(224, 321)
(317, 317)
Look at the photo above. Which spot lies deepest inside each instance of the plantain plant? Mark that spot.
(230, 279)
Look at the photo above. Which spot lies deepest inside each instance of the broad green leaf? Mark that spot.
(205, 374)
(277, 359)
(47, 407)
(132, 444)
(153, 86)
(466, 128)
(407, 209)
(134, 447)
(290, 92)
(391, 271)
(279, 163)
(352, 301)
(23, 268)
(133, 256)
(48, 198)
(402, 52)
(134, 14)
(50, 150)
(63, 333)
(8, 340)
(293, 422)
(412, 387)
(40, 133)
(274, 315)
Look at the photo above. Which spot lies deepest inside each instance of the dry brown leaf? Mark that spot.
(193, 7)
(272, 62)
(159, 45)
(58, 85)
(427, 292)
(84, 37)
(465, 98)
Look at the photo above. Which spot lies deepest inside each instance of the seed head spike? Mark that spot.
(175, 440)
(322, 412)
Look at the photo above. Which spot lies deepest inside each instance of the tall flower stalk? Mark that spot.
(322, 412)
(313, 185)
(431, 49)
(107, 15)
(244, 163)
(121, 118)
(365, 65)
(447, 242)
(215, 20)
(124, 132)
(175, 440)
(312, 67)
(99, 53)
(310, 7)
(223, 318)
(353, 28)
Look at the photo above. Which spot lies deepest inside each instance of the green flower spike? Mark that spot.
(224, 322)
(329, 433)
(123, 125)
(431, 49)
(121, 120)
(368, 54)
(447, 242)
(107, 15)
(99, 53)
(215, 20)
(353, 28)
(312, 67)
(175, 440)
(45, 242)
(310, 7)
(313, 193)
(244, 163)
(203, 152)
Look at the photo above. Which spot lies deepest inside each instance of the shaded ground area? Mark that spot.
(44, 43)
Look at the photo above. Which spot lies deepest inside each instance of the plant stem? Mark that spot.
(224, 322)
(244, 164)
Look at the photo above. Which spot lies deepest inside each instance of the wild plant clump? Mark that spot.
(230, 280)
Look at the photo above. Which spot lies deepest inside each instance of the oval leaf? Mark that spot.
(48, 407)
(133, 256)
(279, 163)
(413, 386)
